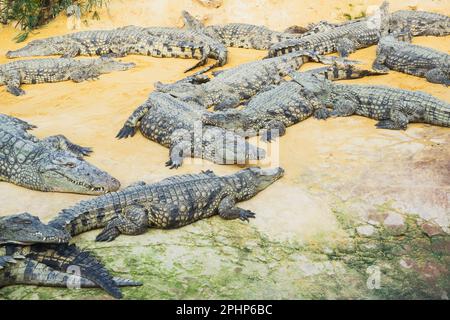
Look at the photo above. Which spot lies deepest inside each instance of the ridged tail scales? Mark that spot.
(70, 259)
(438, 114)
(130, 127)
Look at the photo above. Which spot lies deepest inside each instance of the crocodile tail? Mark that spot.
(439, 115)
(130, 127)
(72, 260)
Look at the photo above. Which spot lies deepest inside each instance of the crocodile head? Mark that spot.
(27, 229)
(60, 171)
(40, 47)
(107, 65)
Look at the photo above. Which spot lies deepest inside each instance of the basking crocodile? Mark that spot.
(344, 39)
(239, 35)
(171, 203)
(152, 41)
(51, 164)
(230, 87)
(34, 253)
(177, 125)
(13, 74)
(269, 113)
(394, 108)
(413, 59)
(420, 23)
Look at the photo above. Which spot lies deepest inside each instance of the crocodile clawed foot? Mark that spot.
(16, 91)
(125, 132)
(108, 235)
(389, 124)
(173, 164)
(246, 214)
(322, 114)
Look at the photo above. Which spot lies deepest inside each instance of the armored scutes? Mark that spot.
(153, 41)
(269, 113)
(177, 125)
(230, 87)
(344, 39)
(52, 164)
(413, 59)
(59, 265)
(171, 203)
(13, 74)
(420, 23)
(239, 35)
(394, 108)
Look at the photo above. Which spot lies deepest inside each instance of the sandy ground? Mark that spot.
(341, 166)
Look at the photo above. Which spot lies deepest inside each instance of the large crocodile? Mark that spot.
(34, 253)
(228, 88)
(171, 203)
(269, 113)
(33, 71)
(420, 23)
(177, 125)
(152, 41)
(344, 39)
(51, 164)
(239, 35)
(413, 59)
(393, 107)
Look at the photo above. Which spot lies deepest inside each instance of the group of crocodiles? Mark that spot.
(179, 116)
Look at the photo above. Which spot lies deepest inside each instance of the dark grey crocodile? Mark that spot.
(33, 71)
(269, 113)
(34, 253)
(177, 125)
(51, 164)
(413, 59)
(420, 23)
(344, 39)
(239, 35)
(171, 203)
(230, 87)
(152, 41)
(393, 107)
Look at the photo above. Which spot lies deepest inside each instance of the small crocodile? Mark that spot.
(239, 35)
(34, 253)
(171, 203)
(51, 164)
(228, 88)
(344, 39)
(413, 59)
(420, 23)
(152, 41)
(269, 113)
(393, 107)
(177, 125)
(33, 71)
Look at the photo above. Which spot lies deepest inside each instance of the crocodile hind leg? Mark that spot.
(229, 211)
(379, 65)
(83, 74)
(230, 101)
(273, 129)
(344, 108)
(180, 148)
(13, 81)
(345, 46)
(438, 76)
(133, 221)
(60, 142)
(398, 120)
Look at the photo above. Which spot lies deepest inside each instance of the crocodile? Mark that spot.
(344, 39)
(239, 35)
(420, 23)
(393, 108)
(51, 164)
(152, 41)
(228, 88)
(177, 125)
(33, 71)
(170, 203)
(269, 113)
(34, 253)
(413, 59)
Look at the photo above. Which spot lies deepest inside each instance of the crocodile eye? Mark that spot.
(70, 164)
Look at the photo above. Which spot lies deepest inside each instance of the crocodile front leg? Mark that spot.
(379, 65)
(133, 221)
(83, 74)
(228, 210)
(60, 142)
(178, 151)
(398, 120)
(272, 130)
(438, 76)
(12, 82)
